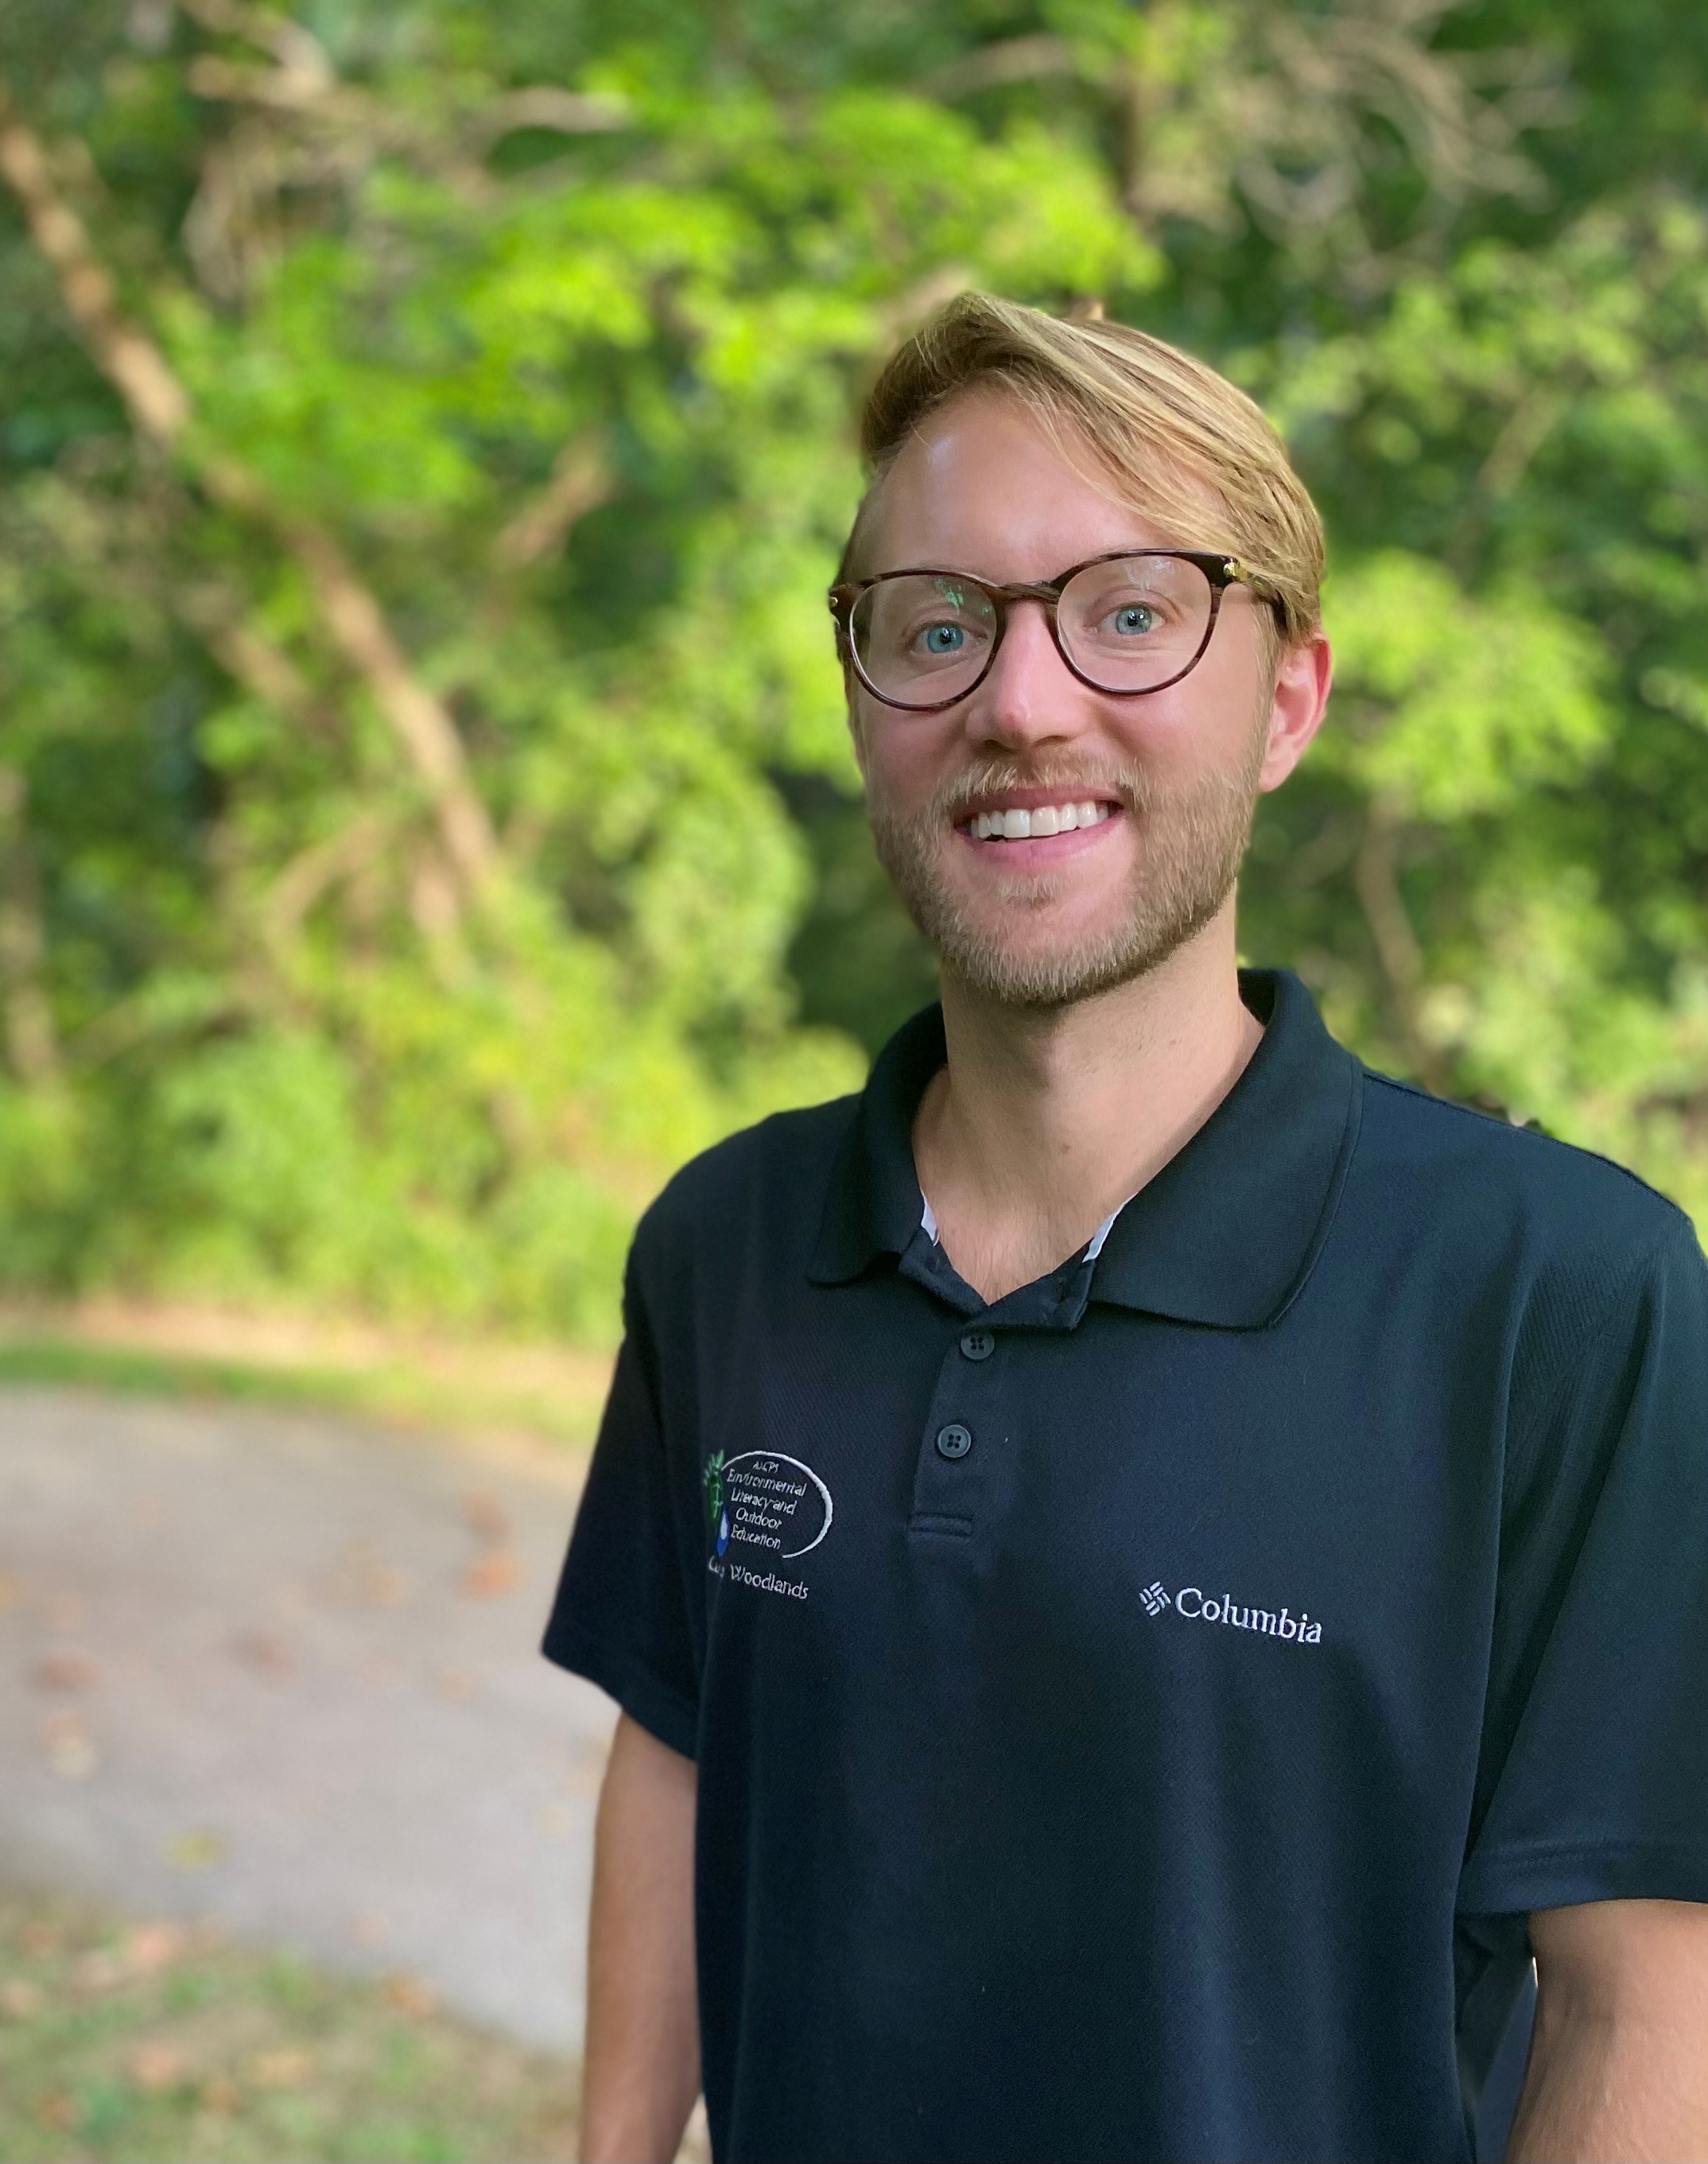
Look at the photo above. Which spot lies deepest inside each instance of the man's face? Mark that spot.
(1176, 774)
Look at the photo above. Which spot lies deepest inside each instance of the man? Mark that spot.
(1146, 1566)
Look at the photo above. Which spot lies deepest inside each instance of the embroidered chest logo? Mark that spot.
(1199, 1606)
(762, 1506)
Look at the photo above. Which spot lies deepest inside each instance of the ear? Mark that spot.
(1304, 673)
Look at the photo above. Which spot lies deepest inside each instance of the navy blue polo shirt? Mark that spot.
(1134, 1717)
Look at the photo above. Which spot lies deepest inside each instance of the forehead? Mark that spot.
(986, 485)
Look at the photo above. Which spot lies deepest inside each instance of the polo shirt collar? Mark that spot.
(1224, 1234)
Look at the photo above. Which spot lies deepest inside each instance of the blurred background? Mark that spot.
(426, 818)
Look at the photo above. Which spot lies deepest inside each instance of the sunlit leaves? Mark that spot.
(1452, 705)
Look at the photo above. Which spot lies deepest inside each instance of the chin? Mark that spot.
(1044, 976)
(1060, 965)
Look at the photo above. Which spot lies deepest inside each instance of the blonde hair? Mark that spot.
(1166, 426)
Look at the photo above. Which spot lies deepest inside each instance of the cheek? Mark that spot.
(1158, 734)
(905, 764)
(1202, 720)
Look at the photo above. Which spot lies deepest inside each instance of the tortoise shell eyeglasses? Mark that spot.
(1125, 622)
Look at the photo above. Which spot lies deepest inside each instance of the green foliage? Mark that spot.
(550, 324)
(1452, 705)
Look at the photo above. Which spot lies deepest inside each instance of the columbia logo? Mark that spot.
(1199, 1606)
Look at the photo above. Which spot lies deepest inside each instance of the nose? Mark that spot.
(1030, 697)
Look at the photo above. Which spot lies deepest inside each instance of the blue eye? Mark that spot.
(944, 639)
(1134, 620)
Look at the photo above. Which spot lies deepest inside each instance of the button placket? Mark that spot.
(964, 1423)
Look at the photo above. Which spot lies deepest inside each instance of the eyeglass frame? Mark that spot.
(1221, 570)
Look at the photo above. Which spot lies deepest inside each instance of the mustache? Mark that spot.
(1130, 786)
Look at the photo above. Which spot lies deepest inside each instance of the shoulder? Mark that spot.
(1574, 1263)
(1566, 1237)
(757, 1193)
(1512, 1180)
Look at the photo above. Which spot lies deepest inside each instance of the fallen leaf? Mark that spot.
(284, 2068)
(57, 2108)
(38, 1937)
(11, 1592)
(498, 1571)
(156, 2066)
(65, 1670)
(361, 1578)
(70, 1749)
(408, 1995)
(197, 1849)
(99, 1971)
(148, 1948)
(266, 1651)
(486, 1516)
(219, 2096)
(20, 1999)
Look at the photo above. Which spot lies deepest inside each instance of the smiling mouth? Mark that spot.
(1033, 822)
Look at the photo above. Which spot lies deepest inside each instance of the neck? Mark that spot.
(1044, 1121)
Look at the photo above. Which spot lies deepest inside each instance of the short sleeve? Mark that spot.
(1593, 1777)
(621, 1616)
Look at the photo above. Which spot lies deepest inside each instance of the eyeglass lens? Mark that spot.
(1127, 625)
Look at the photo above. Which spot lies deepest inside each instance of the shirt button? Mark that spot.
(978, 1344)
(953, 1441)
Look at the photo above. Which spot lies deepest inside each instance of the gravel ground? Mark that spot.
(282, 1673)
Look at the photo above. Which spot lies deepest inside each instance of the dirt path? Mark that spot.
(283, 1672)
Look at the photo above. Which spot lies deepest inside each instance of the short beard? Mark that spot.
(1191, 842)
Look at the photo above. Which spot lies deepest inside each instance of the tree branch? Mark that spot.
(581, 481)
(545, 106)
(994, 67)
(248, 656)
(432, 904)
(160, 410)
(130, 362)
(298, 51)
(32, 1044)
(314, 870)
(1375, 877)
(1522, 434)
(1329, 850)
(358, 628)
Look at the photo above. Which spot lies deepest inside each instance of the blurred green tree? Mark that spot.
(425, 809)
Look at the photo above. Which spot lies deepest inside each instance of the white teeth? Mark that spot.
(1018, 826)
